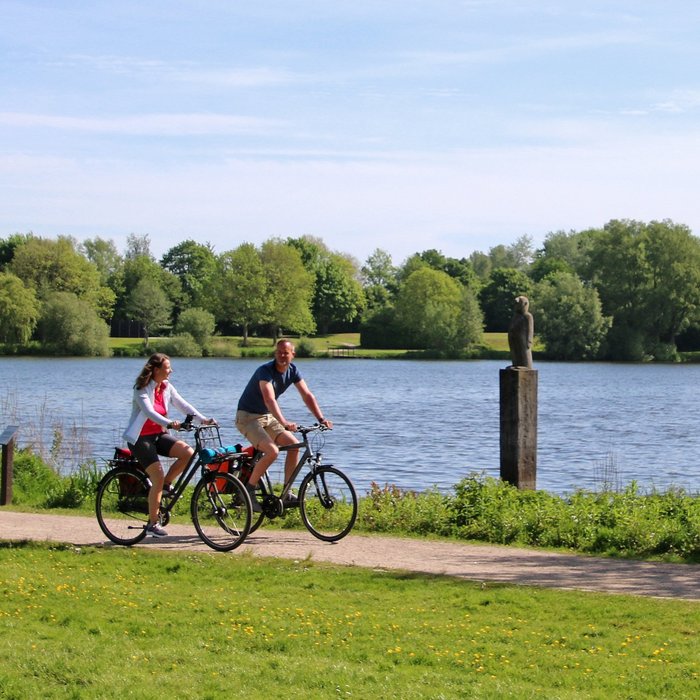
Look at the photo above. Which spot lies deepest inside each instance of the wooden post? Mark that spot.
(519, 426)
(7, 440)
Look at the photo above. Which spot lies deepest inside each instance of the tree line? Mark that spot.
(627, 291)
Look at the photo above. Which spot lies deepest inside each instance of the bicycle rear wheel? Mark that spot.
(121, 505)
(221, 511)
(328, 503)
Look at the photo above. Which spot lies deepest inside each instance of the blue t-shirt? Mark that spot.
(251, 399)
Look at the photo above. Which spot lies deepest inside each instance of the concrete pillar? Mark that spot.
(519, 426)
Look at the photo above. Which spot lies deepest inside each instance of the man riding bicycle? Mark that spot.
(260, 419)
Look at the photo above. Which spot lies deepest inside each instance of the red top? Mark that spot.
(151, 427)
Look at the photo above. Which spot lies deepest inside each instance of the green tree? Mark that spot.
(569, 318)
(9, 245)
(194, 264)
(103, 254)
(149, 305)
(379, 280)
(198, 323)
(430, 308)
(70, 326)
(290, 289)
(144, 267)
(498, 295)
(19, 310)
(55, 265)
(241, 288)
(338, 295)
(648, 279)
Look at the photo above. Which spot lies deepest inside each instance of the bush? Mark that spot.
(32, 479)
(198, 323)
(75, 490)
(70, 326)
(390, 509)
(178, 346)
(304, 348)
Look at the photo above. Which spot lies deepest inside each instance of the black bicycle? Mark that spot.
(327, 498)
(220, 505)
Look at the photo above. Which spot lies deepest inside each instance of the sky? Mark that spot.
(403, 125)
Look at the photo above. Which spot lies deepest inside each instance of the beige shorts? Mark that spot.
(257, 427)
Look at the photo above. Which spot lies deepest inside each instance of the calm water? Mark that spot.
(410, 423)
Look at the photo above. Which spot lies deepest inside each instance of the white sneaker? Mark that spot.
(156, 530)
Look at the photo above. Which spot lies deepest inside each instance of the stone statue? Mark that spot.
(520, 334)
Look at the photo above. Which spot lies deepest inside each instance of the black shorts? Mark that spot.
(148, 447)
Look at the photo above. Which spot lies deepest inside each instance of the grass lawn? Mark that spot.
(113, 622)
(494, 346)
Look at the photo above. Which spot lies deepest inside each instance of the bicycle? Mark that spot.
(220, 506)
(327, 498)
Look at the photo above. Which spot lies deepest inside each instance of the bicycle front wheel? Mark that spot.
(121, 505)
(328, 503)
(221, 511)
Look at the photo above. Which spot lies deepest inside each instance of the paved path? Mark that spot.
(528, 567)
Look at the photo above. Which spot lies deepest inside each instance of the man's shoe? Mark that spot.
(291, 500)
(257, 508)
(168, 491)
(156, 530)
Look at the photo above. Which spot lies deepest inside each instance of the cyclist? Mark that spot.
(147, 435)
(260, 419)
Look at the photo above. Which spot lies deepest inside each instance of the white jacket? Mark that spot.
(142, 409)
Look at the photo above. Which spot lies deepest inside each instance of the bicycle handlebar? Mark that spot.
(188, 426)
(304, 429)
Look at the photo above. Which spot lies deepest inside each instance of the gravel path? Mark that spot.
(512, 565)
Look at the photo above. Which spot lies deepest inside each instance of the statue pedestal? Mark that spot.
(518, 387)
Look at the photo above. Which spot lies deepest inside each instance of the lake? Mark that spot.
(411, 423)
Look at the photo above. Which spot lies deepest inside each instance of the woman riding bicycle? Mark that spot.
(147, 435)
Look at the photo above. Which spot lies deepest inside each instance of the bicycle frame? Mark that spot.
(309, 456)
(203, 435)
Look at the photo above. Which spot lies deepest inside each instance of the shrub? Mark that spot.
(76, 489)
(178, 346)
(32, 478)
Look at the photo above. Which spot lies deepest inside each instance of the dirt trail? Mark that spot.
(473, 562)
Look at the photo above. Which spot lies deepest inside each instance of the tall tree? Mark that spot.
(498, 295)
(241, 288)
(338, 295)
(290, 289)
(570, 319)
(55, 265)
(379, 280)
(430, 309)
(149, 305)
(648, 278)
(19, 310)
(194, 264)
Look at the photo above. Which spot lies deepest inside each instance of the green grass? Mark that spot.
(493, 346)
(112, 623)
